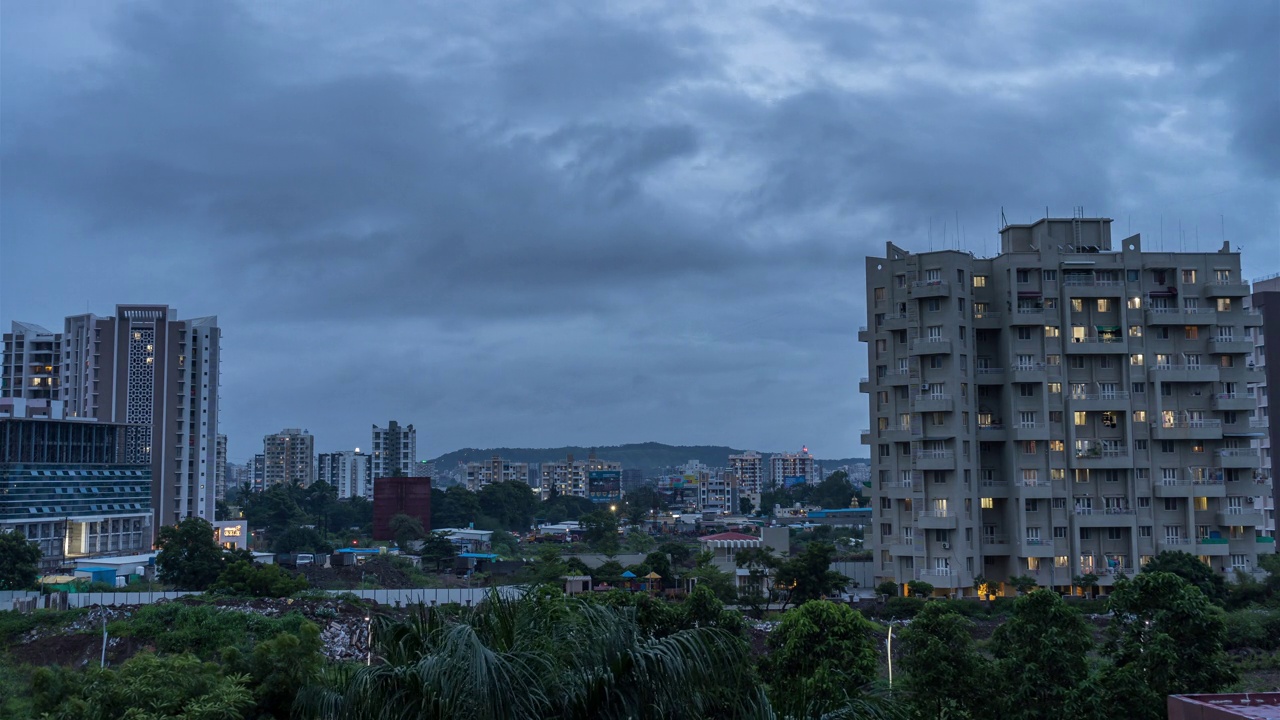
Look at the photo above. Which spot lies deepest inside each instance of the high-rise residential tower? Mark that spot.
(143, 368)
(749, 469)
(220, 469)
(1266, 361)
(350, 471)
(794, 469)
(1064, 408)
(395, 450)
(288, 457)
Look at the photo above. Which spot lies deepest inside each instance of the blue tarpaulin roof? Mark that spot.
(628, 574)
(486, 556)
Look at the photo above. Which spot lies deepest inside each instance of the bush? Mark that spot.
(902, 608)
(202, 629)
(1258, 629)
(247, 579)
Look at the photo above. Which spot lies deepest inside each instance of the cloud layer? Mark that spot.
(591, 224)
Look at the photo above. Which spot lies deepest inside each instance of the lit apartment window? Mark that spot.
(1189, 277)
(1224, 304)
(1077, 305)
(1135, 303)
(1051, 331)
(1104, 305)
(1135, 359)
(979, 281)
(1081, 417)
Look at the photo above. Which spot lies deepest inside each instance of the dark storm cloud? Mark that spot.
(529, 225)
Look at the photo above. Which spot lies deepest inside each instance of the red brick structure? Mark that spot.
(393, 496)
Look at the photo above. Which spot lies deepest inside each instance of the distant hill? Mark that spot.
(648, 456)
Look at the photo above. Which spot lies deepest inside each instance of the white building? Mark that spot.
(289, 458)
(395, 450)
(749, 469)
(574, 477)
(495, 469)
(350, 471)
(793, 468)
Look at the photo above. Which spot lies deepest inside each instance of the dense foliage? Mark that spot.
(250, 579)
(19, 562)
(189, 557)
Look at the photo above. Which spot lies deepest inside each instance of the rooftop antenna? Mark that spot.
(958, 245)
(930, 233)
(1222, 219)
(1162, 231)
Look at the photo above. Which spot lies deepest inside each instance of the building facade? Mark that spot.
(395, 450)
(220, 469)
(1061, 409)
(574, 477)
(258, 472)
(794, 469)
(396, 496)
(350, 471)
(66, 486)
(145, 369)
(495, 469)
(748, 468)
(288, 458)
(1266, 362)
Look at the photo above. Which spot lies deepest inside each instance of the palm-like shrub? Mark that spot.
(540, 656)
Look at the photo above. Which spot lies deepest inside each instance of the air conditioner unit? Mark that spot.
(924, 388)
(947, 546)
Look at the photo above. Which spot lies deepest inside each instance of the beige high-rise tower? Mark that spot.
(1066, 407)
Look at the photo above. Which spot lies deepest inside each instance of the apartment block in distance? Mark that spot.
(142, 368)
(794, 469)
(495, 469)
(593, 478)
(1066, 407)
(1266, 361)
(288, 458)
(350, 471)
(395, 450)
(749, 469)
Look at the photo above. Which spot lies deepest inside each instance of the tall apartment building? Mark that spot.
(794, 468)
(258, 472)
(1063, 408)
(288, 457)
(143, 368)
(350, 471)
(575, 477)
(495, 469)
(1266, 360)
(395, 450)
(66, 486)
(32, 363)
(220, 469)
(749, 469)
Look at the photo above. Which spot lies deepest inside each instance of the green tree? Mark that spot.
(1088, 583)
(548, 566)
(761, 564)
(819, 656)
(920, 588)
(1041, 656)
(511, 504)
(279, 668)
(146, 687)
(436, 551)
(745, 506)
(680, 553)
(1022, 584)
(189, 557)
(658, 562)
(406, 529)
(946, 675)
(247, 579)
(600, 530)
(719, 582)
(559, 508)
(1189, 568)
(541, 656)
(275, 510)
(320, 499)
(834, 492)
(1165, 638)
(638, 542)
(456, 507)
(19, 562)
(808, 576)
(888, 588)
(504, 544)
(301, 539)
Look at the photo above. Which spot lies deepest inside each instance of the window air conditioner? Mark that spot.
(947, 545)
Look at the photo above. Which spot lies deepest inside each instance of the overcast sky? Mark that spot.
(535, 224)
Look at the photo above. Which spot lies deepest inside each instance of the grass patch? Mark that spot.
(201, 629)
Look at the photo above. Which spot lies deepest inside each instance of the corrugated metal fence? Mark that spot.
(27, 600)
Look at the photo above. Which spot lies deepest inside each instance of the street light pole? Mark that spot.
(368, 654)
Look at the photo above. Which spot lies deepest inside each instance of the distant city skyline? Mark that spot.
(534, 225)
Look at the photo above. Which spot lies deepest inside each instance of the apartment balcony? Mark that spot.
(1241, 516)
(1170, 372)
(1175, 488)
(1225, 288)
(1100, 455)
(945, 579)
(1208, 487)
(1036, 547)
(1029, 431)
(1214, 547)
(900, 545)
(1174, 543)
(931, 346)
(864, 386)
(996, 545)
(1028, 316)
(1257, 423)
(1033, 489)
(1105, 517)
(1187, 430)
(1098, 344)
(991, 431)
(1252, 317)
(895, 321)
(994, 488)
(932, 403)
(864, 437)
(1248, 458)
(1230, 346)
(902, 489)
(934, 460)
(1182, 316)
(864, 335)
(990, 376)
(1091, 288)
(1235, 401)
(1116, 400)
(1030, 373)
(896, 377)
(937, 519)
(929, 288)
(988, 319)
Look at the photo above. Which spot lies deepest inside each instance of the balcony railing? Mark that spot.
(995, 540)
(1105, 511)
(1190, 424)
(1175, 541)
(1090, 282)
(1238, 452)
(1257, 422)
(935, 572)
(1023, 367)
(1038, 541)
(935, 514)
(1033, 483)
(918, 284)
(986, 315)
(934, 454)
(989, 371)
(1098, 339)
(1115, 395)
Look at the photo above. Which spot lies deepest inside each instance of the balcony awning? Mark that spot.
(1108, 328)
